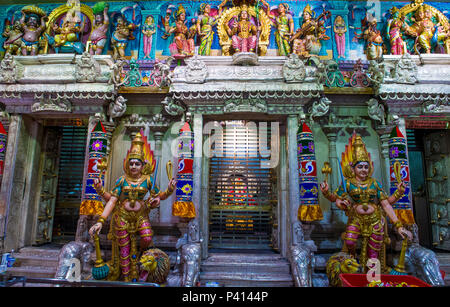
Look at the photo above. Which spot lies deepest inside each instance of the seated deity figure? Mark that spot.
(243, 33)
(183, 45)
(67, 32)
(33, 25)
(427, 33)
(365, 204)
(306, 40)
(129, 210)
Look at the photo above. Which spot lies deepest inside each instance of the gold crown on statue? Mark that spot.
(136, 150)
(308, 10)
(180, 10)
(359, 153)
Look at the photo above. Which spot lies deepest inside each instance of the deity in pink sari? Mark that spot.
(243, 33)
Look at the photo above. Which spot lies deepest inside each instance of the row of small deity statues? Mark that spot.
(242, 28)
(67, 29)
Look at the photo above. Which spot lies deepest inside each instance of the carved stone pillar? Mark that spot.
(332, 131)
(384, 132)
(200, 208)
(158, 125)
(294, 199)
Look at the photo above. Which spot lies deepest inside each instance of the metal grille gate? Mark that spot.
(241, 192)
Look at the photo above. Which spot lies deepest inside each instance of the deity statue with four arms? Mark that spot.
(129, 210)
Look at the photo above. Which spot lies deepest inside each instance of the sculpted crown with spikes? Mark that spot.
(355, 152)
(140, 149)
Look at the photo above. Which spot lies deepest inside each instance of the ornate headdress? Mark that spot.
(308, 10)
(140, 149)
(355, 152)
(202, 7)
(180, 10)
(422, 9)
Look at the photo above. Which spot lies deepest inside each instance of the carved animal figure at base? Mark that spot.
(340, 263)
(155, 266)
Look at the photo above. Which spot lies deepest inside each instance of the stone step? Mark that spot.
(246, 266)
(30, 261)
(37, 251)
(33, 271)
(241, 279)
(246, 270)
(239, 257)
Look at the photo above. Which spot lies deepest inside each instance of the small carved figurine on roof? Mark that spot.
(69, 27)
(372, 36)
(306, 41)
(33, 24)
(100, 28)
(123, 33)
(183, 45)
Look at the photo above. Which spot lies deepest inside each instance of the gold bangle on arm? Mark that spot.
(101, 220)
(398, 225)
(398, 194)
(100, 191)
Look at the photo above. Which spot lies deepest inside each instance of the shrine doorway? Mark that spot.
(60, 181)
(242, 193)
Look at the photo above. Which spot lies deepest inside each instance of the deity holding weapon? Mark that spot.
(365, 204)
(306, 40)
(129, 211)
(372, 36)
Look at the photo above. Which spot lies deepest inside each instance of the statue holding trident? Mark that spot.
(129, 210)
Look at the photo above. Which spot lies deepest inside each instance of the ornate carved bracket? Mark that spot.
(294, 70)
(245, 105)
(196, 71)
(10, 70)
(56, 105)
(87, 69)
